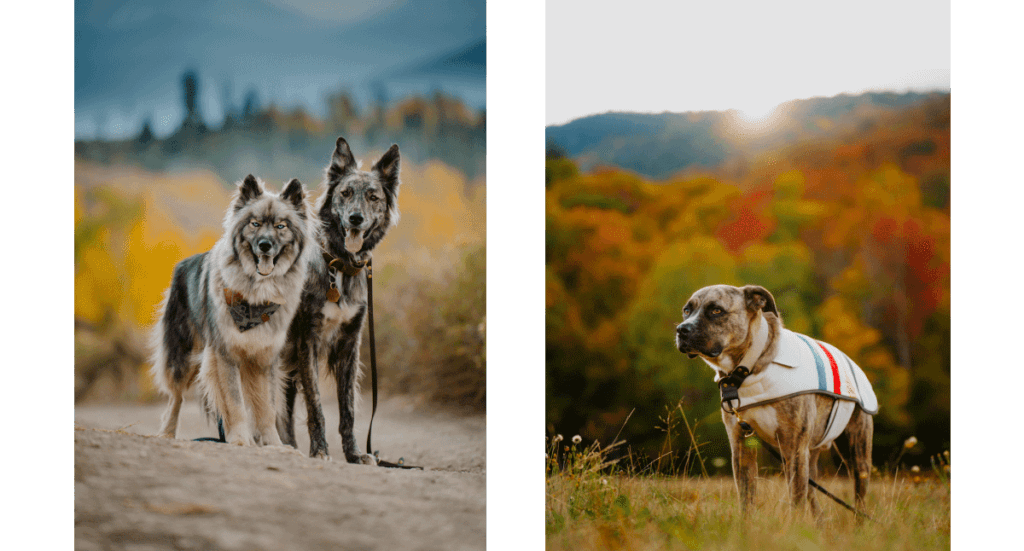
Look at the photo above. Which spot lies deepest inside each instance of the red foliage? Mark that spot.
(751, 224)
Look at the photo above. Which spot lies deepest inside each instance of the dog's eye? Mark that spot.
(716, 311)
(373, 197)
(686, 311)
(255, 224)
(346, 193)
(280, 226)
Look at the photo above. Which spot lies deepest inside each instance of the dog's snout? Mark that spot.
(356, 219)
(265, 245)
(684, 329)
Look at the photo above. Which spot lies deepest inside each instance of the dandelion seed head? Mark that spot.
(558, 438)
(915, 469)
(576, 439)
(910, 442)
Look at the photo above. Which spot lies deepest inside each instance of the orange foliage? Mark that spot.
(850, 232)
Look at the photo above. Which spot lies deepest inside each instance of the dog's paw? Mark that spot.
(361, 459)
(285, 449)
(321, 454)
(240, 440)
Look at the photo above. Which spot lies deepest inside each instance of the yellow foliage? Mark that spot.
(864, 345)
(789, 185)
(436, 210)
(125, 267)
(851, 282)
(759, 253)
(149, 263)
(98, 289)
(844, 329)
(842, 227)
(79, 206)
(889, 189)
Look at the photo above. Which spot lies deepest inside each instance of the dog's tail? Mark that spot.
(173, 339)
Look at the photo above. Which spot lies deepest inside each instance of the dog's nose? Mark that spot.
(684, 329)
(264, 245)
(356, 219)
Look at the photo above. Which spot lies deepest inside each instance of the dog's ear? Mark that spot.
(758, 298)
(248, 190)
(388, 167)
(295, 194)
(342, 160)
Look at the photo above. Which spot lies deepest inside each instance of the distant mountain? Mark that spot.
(468, 62)
(660, 145)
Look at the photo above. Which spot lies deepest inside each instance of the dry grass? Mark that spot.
(591, 504)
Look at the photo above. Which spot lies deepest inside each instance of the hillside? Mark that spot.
(663, 144)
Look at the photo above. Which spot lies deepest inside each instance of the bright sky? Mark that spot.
(654, 56)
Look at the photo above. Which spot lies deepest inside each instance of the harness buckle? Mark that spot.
(729, 387)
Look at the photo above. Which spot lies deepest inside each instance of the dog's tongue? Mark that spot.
(265, 265)
(354, 241)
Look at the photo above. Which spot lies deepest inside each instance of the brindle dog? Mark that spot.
(719, 325)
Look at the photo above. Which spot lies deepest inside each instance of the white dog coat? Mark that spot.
(803, 365)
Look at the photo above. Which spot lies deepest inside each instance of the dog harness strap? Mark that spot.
(245, 315)
(729, 387)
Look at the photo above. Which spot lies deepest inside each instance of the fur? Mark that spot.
(355, 210)
(263, 255)
(717, 326)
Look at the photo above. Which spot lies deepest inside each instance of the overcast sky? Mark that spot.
(653, 56)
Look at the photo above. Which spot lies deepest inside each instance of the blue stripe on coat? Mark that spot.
(822, 383)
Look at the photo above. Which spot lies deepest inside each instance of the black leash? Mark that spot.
(220, 430)
(373, 376)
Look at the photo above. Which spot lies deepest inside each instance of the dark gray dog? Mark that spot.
(797, 394)
(355, 211)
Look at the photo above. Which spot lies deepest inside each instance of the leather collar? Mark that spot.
(347, 267)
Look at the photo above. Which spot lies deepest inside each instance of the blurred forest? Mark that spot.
(286, 143)
(846, 222)
(142, 205)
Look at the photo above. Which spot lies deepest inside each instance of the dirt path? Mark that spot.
(138, 492)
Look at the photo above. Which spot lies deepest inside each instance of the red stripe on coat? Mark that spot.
(832, 361)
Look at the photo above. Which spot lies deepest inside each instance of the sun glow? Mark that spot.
(758, 119)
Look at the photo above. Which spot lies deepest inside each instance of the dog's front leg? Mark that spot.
(223, 379)
(347, 370)
(314, 411)
(259, 385)
(744, 461)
